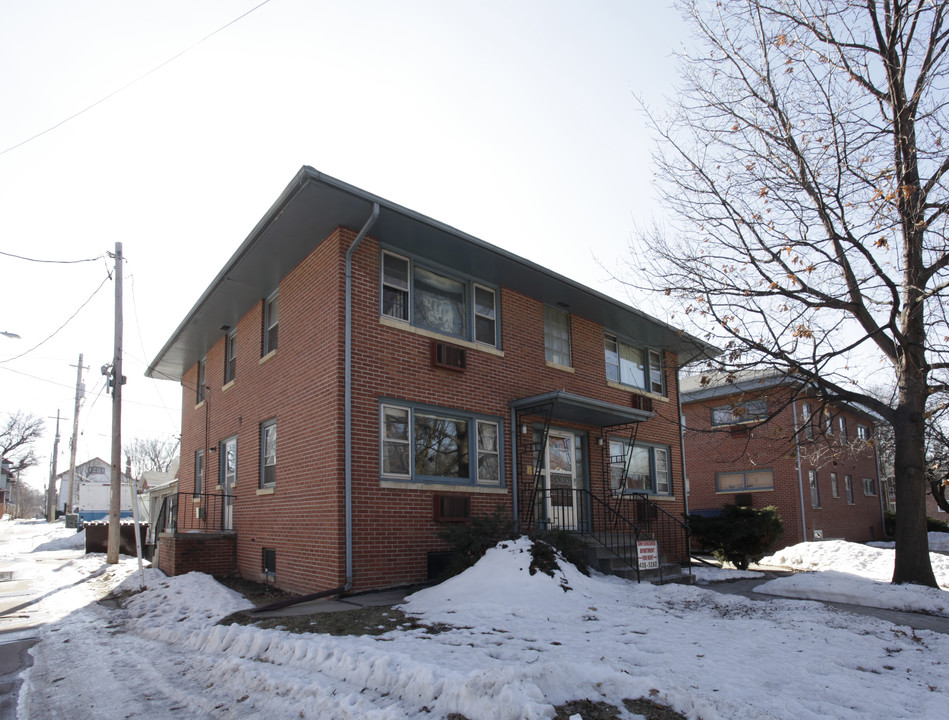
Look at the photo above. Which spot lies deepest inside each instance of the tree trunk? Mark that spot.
(911, 563)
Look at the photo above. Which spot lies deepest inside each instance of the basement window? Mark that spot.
(268, 564)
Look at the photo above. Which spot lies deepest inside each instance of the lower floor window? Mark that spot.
(747, 480)
(436, 445)
(269, 563)
(640, 468)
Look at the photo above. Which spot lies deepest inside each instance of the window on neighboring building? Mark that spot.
(749, 411)
(268, 453)
(807, 420)
(271, 323)
(863, 432)
(436, 445)
(848, 488)
(198, 472)
(228, 460)
(747, 480)
(557, 336)
(202, 368)
(436, 301)
(815, 491)
(230, 356)
(834, 487)
(869, 486)
(631, 365)
(640, 468)
(842, 425)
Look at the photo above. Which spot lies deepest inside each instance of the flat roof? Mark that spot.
(313, 205)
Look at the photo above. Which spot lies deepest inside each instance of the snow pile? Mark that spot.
(938, 542)
(707, 575)
(68, 540)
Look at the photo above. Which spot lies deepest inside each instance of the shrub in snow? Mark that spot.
(739, 535)
(471, 540)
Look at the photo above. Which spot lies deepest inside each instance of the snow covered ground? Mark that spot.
(517, 645)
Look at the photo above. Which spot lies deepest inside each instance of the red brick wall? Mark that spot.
(302, 387)
(773, 446)
(209, 553)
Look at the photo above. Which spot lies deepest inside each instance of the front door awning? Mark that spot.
(568, 407)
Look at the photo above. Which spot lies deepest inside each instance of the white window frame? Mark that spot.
(658, 456)
(475, 452)
(407, 292)
(227, 479)
(863, 432)
(268, 452)
(807, 421)
(271, 323)
(557, 336)
(842, 427)
(729, 415)
(654, 376)
(869, 486)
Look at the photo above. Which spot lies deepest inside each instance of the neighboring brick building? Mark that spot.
(358, 374)
(763, 440)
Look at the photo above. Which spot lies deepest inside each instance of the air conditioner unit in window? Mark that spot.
(451, 508)
(450, 357)
(640, 402)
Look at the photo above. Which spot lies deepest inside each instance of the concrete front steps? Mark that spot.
(617, 556)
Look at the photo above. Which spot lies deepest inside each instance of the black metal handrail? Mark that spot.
(579, 510)
(203, 512)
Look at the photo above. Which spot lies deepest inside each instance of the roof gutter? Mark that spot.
(348, 394)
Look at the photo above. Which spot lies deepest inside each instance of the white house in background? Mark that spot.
(91, 488)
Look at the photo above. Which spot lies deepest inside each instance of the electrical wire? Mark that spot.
(57, 330)
(56, 262)
(133, 82)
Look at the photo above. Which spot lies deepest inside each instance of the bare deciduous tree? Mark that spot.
(17, 434)
(151, 454)
(805, 164)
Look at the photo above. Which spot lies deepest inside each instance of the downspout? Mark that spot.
(800, 479)
(348, 395)
(685, 474)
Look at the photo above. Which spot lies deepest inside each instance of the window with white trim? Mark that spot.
(268, 453)
(744, 481)
(842, 425)
(869, 486)
(863, 432)
(635, 366)
(807, 420)
(748, 411)
(557, 336)
(834, 487)
(640, 468)
(198, 472)
(848, 488)
(815, 490)
(428, 444)
(228, 460)
(271, 323)
(436, 301)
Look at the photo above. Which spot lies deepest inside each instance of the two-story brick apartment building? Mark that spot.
(358, 374)
(762, 439)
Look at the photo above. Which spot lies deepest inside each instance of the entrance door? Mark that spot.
(561, 474)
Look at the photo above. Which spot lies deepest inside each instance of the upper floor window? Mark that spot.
(557, 336)
(749, 411)
(230, 356)
(640, 468)
(863, 432)
(815, 490)
(435, 445)
(834, 487)
(807, 418)
(848, 488)
(202, 373)
(268, 453)
(869, 486)
(438, 302)
(630, 365)
(271, 323)
(747, 480)
(842, 425)
(198, 472)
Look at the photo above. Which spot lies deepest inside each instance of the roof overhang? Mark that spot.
(568, 407)
(313, 205)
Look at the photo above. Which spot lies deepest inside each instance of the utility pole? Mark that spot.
(112, 555)
(51, 490)
(75, 436)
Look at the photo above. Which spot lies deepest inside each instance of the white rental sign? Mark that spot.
(648, 554)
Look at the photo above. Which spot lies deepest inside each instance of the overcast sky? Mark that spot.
(514, 121)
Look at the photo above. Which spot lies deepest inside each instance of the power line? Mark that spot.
(57, 262)
(57, 330)
(133, 82)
